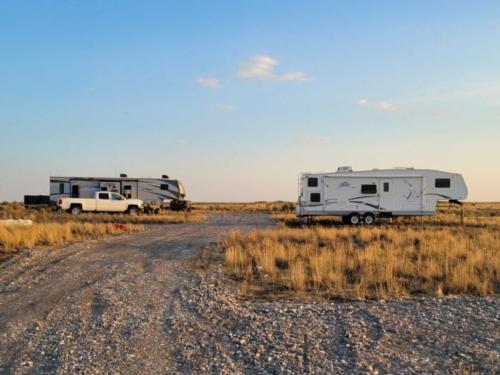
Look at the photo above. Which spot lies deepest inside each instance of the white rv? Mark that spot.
(152, 191)
(362, 196)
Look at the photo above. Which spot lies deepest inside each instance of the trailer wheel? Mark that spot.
(354, 219)
(369, 219)
(75, 210)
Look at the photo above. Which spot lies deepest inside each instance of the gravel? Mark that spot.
(134, 304)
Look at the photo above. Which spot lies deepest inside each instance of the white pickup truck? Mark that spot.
(103, 202)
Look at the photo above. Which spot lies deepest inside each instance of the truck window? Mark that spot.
(103, 196)
(116, 197)
(312, 182)
(315, 197)
(442, 183)
(164, 186)
(369, 189)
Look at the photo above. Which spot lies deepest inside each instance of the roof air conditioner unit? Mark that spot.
(123, 175)
(344, 169)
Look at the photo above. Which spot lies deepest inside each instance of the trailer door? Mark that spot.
(407, 194)
(386, 190)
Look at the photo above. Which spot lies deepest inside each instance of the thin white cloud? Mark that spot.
(262, 67)
(384, 106)
(209, 82)
(311, 140)
(225, 108)
(487, 91)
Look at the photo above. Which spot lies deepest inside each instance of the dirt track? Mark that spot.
(130, 304)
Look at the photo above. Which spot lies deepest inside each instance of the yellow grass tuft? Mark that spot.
(16, 237)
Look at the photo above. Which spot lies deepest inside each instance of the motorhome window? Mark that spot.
(386, 187)
(103, 196)
(315, 197)
(127, 187)
(312, 182)
(104, 188)
(442, 183)
(369, 189)
(164, 186)
(61, 188)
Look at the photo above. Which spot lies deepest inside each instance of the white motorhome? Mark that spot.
(362, 196)
(152, 191)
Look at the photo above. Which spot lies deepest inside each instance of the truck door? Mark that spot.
(103, 202)
(386, 189)
(117, 203)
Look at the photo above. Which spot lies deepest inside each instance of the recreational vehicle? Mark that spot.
(154, 192)
(362, 196)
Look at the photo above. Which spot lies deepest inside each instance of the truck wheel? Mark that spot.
(354, 219)
(369, 219)
(133, 211)
(75, 210)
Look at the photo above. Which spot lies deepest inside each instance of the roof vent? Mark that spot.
(123, 175)
(164, 176)
(344, 169)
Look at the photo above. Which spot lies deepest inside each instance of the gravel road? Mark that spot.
(134, 304)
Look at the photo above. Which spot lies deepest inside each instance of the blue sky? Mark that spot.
(236, 99)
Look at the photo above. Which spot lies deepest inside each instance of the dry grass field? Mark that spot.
(55, 228)
(410, 256)
(16, 237)
(18, 211)
(278, 206)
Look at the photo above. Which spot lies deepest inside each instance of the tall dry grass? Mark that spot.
(16, 237)
(437, 258)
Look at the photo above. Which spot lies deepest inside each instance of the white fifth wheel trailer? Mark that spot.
(362, 196)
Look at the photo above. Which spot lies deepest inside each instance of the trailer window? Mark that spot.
(315, 197)
(312, 182)
(103, 196)
(386, 187)
(442, 182)
(369, 189)
(61, 188)
(104, 188)
(164, 187)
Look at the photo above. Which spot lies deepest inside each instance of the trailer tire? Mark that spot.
(132, 211)
(75, 210)
(369, 219)
(354, 219)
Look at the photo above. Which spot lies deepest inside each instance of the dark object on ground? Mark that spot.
(33, 201)
(180, 205)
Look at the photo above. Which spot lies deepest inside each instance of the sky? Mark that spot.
(235, 99)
